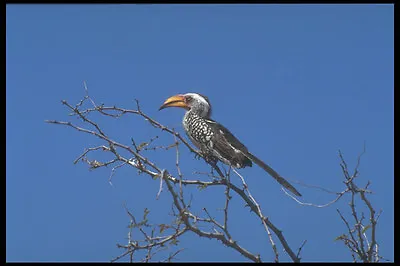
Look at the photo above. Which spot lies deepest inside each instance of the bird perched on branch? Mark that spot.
(214, 140)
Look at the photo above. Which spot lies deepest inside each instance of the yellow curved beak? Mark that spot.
(175, 101)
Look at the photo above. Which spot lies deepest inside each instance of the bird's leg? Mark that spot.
(215, 167)
(211, 160)
(228, 174)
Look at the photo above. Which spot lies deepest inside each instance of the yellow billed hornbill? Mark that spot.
(214, 140)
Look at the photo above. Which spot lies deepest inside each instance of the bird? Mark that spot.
(215, 141)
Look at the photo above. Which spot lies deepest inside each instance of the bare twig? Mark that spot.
(264, 220)
(339, 195)
(357, 240)
(185, 220)
(219, 236)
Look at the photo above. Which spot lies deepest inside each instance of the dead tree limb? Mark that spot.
(145, 165)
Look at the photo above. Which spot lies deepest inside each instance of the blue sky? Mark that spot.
(295, 83)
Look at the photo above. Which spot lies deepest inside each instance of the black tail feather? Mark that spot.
(274, 174)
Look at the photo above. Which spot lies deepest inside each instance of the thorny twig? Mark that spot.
(150, 242)
(183, 224)
(145, 165)
(265, 221)
(356, 239)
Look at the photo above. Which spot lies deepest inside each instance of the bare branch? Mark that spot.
(218, 236)
(153, 242)
(357, 235)
(339, 195)
(300, 248)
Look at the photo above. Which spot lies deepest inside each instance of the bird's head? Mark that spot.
(194, 102)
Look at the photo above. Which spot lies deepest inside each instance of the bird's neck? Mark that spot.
(199, 111)
(190, 119)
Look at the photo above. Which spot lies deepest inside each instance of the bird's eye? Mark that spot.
(188, 99)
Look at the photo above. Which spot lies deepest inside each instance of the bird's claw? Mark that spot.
(198, 155)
